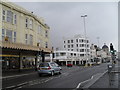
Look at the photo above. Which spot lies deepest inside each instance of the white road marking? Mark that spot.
(90, 79)
(10, 87)
(84, 82)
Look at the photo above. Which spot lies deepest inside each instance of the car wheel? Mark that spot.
(59, 72)
(52, 73)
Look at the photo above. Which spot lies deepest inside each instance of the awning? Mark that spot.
(18, 46)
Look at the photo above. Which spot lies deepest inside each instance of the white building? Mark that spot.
(68, 57)
(78, 43)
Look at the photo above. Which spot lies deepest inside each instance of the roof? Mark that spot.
(104, 46)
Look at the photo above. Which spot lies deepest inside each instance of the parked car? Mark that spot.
(69, 65)
(49, 68)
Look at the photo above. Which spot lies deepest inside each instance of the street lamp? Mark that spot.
(84, 16)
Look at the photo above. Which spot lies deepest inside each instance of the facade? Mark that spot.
(93, 53)
(78, 43)
(98, 54)
(67, 57)
(24, 37)
(107, 56)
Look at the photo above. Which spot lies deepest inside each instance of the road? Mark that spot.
(70, 78)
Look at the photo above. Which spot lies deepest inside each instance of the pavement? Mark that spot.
(105, 80)
(17, 72)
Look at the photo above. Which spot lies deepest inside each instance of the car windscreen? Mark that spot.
(44, 65)
(53, 64)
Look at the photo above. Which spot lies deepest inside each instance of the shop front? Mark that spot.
(15, 58)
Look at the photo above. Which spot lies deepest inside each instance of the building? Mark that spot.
(78, 43)
(64, 57)
(107, 56)
(24, 38)
(93, 53)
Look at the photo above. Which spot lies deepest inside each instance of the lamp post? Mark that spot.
(84, 16)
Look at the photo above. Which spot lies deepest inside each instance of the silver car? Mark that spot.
(50, 68)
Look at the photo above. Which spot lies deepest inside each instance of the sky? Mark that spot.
(64, 19)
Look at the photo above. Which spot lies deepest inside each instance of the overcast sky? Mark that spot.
(64, 19)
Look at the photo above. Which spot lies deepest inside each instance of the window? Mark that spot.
(3, 13)
(71, 54)
(9, 35)
(62, 54)
(39, 42)
(64, 46)
(76, 40)
(31, 39)
(82, 40)
(81, 54)
(83, 45)
(14, 38)
(74, 54)
(26, 38)
(87, 50)
(71, 49)
(87, 45)
(68, 46)
(87, 41)
(71, 41)
(79, 40)
(46, 33)
(80, 45)
(57, 54)
(46, 45)
(72, 46)
(26, 23)
(77, 45)
(64, 41)
(68, 41)
(44, 65)
(3, 34)
(10, 16)
(15, 19)
(31, 24)
(81, 50)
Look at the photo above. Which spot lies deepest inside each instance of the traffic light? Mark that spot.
(111, 48)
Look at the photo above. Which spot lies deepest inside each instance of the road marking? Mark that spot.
(84, 82)
(90, 79)
(10, 87)
(21, 84)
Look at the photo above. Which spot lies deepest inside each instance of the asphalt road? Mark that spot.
(70, 78)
